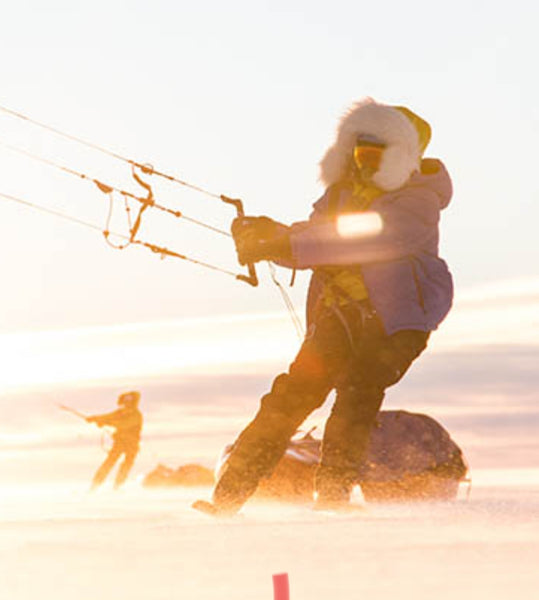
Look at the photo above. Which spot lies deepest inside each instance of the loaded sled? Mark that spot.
(410, 457)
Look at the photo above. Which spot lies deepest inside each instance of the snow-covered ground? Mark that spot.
(59, 542)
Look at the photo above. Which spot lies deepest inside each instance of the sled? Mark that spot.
(410, 457)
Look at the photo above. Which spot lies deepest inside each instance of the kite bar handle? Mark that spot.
(251, 278)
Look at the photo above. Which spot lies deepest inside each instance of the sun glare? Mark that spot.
(359, 224)
(145, 349)
(224, 344)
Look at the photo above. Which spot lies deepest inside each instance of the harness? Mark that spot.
(344, 292)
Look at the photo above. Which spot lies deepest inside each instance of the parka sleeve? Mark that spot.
(408, 219)
(316, 218)
(113, 419)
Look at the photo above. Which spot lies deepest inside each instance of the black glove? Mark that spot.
(260, 238)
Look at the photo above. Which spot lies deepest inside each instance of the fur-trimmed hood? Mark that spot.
(405, 134)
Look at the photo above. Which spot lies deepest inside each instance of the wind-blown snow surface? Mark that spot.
(61, 543)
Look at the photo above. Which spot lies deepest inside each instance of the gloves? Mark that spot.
(260, 238)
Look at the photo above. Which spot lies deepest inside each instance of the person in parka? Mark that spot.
(378, 289)
(127, 423)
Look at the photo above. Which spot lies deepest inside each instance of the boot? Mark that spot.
(346, 437)
(333, 487)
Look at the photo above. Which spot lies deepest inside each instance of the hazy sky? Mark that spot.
(242, 98)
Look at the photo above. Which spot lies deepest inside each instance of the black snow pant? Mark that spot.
(346, 350)
(129, 451)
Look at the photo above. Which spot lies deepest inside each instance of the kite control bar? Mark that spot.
(146, 202)
(72, 411)
(251, 279)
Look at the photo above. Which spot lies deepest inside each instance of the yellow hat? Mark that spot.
(131, 398)
(423, 128)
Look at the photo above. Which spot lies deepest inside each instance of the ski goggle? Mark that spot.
(368, 154)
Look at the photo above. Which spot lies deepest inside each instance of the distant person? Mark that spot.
(379, 287)
(127, 422)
